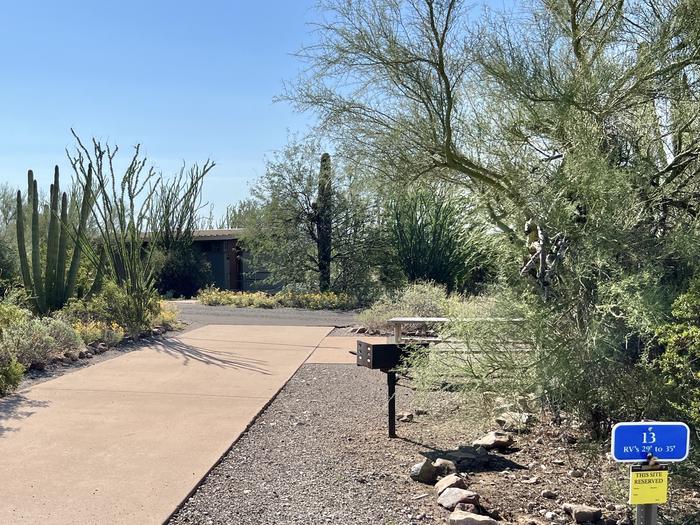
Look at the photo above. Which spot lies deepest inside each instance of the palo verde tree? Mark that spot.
(574, 129)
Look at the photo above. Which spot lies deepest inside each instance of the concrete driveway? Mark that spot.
(126, 440)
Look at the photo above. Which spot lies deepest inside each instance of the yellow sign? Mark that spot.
(648, 486)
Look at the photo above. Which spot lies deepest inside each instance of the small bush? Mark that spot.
(99, 331)
(311, 301)
(168, 316)
(11, 314)
(111, 305)
(11, 371)
(35, 342)
(415, 300)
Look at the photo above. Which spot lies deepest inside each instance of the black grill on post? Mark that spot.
(385, 357)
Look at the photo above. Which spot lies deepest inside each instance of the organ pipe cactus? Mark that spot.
(51, 289)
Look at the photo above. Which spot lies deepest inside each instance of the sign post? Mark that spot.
(649, 444)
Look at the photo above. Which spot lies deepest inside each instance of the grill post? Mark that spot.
(391, 391)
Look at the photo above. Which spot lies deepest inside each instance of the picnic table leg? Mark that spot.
(391, 391)
(397, 333)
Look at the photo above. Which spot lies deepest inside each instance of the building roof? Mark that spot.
(217, 235)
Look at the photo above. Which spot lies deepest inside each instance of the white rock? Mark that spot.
(460, 517)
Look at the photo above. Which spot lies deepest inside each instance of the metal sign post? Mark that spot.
(647, 444)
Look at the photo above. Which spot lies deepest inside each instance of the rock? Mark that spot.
(81, 354)
(420, 412)
(514, 421)
(445, 467)
(549, 494)
(424, 472)
(494, 440)
(576, 473)
(531, 481)
(451, 481)
(71, 356)
(624, 521)
(451, 497)
(101, 348)
(467, 507)
(405, 417)
(582, 513)
(461, 517)
(89, 354)
(551, 516)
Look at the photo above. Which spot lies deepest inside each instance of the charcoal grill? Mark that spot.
(385, 357)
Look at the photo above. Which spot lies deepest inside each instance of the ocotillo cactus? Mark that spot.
(324, 219)
(52, 289)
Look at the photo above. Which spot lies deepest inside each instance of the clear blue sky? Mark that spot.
(187, 79)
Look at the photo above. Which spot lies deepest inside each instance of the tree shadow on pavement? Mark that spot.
(179, 350)
(15, 408)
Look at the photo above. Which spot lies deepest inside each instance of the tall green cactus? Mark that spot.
(53, 288)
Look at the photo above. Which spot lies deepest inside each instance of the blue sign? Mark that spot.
(632, 442)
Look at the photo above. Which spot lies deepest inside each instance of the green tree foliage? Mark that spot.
(575, 129)
(283, 232)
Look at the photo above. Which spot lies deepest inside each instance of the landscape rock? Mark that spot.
(451, 497)
(576, 473)
(425, 472)
(468, 507)
(460, 517)
(445, 467)
(71, 356)
(549, 494)
(583, 513)
(494, 440)
(405, 417)
(451, 481)
(514, 421)
(101, 348)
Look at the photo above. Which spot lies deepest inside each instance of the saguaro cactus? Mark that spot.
(324, 224)
(53, 288)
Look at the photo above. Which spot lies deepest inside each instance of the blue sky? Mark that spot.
(188, 80)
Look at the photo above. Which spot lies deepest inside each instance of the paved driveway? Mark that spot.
(126, 440)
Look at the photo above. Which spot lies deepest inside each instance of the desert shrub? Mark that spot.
(111, 305)
(8, 266)
(11, 314)
(99, 331)
(168, 316)
(11, 371)
(184, 272)
(35, 341)
(312, 301)
(420, 299)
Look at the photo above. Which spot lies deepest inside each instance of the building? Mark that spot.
(230, 263)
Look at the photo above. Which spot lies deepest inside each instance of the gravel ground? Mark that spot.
(318, 454)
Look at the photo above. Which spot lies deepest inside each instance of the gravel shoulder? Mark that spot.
(319, 454)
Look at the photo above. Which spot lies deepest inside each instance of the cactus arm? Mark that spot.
(85, 209)
(60, 291)
(39, 297)
(22, 247)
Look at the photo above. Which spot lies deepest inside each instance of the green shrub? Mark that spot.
(184, 272)
(11, 314)
(35, 342)
(111, 305)
(11, 371)
(415, 300)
